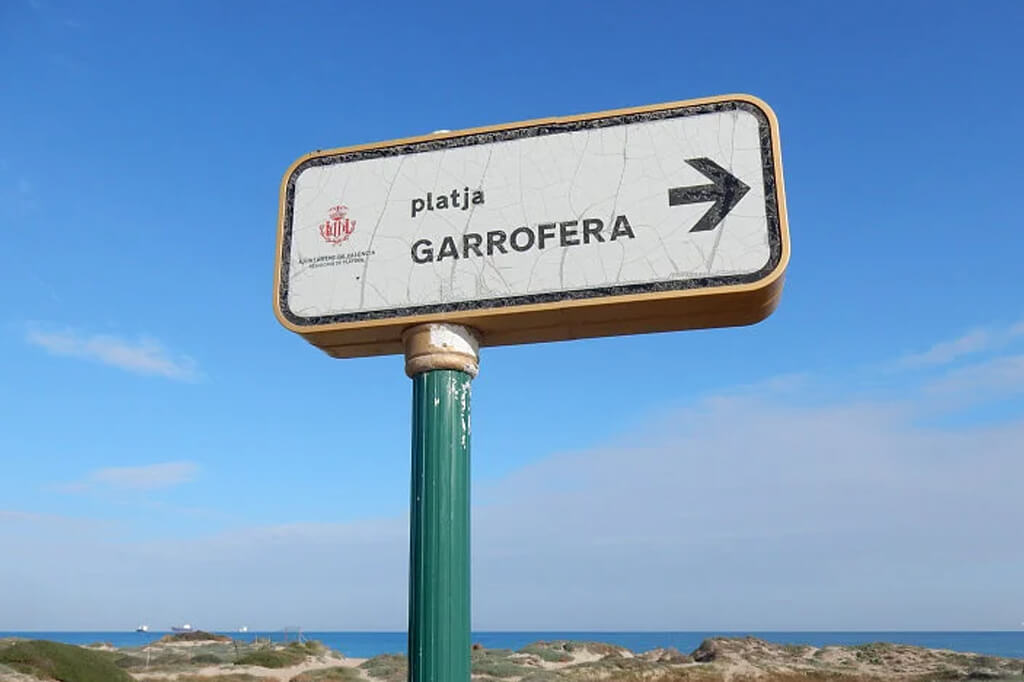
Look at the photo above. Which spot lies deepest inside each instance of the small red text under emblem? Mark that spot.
(338, 225)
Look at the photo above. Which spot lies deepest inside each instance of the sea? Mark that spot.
(1009, 644)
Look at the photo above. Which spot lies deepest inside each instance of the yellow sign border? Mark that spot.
(669, 310)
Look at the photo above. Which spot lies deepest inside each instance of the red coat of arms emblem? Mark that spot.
(338, 225)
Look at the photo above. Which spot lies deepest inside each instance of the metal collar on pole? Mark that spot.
(441, 346)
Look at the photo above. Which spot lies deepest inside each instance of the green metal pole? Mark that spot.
(439, 611)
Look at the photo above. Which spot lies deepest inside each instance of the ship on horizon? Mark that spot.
(187, 627)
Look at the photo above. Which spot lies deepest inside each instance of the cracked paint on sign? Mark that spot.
(617, 172)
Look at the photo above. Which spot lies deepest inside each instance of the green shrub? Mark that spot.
(542, 676)
(496, 667)
(491, 653)
(129, 661)
(546, 652)
(310, 647)
(588, 645)
(272, 658)
(387, 667)
(52, 660)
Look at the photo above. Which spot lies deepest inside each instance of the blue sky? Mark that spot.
(170, 452)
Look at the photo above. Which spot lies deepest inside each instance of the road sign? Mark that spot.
(655, 218)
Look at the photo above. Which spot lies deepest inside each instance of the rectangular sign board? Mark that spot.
(647, 219)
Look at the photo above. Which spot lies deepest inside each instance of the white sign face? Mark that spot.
(654, 200)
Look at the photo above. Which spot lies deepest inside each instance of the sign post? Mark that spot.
(649, 219)
(441, 360)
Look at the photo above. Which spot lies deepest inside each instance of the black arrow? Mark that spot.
(726, 192)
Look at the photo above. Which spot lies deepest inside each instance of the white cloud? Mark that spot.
(740, 512)
(948, 351)
(146, 477)
(975, 341)
(144, 356)
(753, 509)
(993, 378)
(841, 514)
(15, 515)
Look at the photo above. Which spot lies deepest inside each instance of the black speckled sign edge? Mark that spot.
(539, 130)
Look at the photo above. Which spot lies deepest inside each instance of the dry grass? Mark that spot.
(329, 675)
(229, 677)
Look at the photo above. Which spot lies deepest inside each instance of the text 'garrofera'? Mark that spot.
(558, 235)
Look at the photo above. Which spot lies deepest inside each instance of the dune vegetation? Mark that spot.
(221, 659)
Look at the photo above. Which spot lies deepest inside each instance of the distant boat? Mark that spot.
(142, 628)
(243, 629)
(182, 628)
